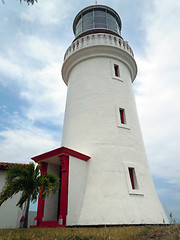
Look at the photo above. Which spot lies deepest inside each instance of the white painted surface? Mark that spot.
(10, 214)
(51, 202)
(31, 216)
(91, 127)
(77, 187)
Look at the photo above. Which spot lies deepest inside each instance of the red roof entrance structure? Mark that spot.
(58, 157)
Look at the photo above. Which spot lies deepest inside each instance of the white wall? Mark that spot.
(91, 126)
(77, 187)
(10, 214)
(31, 216)
(51, 202)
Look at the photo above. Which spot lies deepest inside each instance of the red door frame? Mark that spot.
(64, 160)
(41, 202)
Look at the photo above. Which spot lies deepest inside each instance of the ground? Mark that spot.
(171, 232)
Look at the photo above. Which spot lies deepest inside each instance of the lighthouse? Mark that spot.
(105, 177)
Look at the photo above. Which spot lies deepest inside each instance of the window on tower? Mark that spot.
(133, 178)
(116, 70)
(122, 116)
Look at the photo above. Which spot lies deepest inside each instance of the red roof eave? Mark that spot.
(60, 151)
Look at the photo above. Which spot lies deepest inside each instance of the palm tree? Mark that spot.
(28, 181)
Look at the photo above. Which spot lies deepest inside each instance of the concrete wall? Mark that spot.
(92, 126)
(77, 188)
(10, 214)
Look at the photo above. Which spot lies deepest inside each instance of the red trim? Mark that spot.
(49, 224)
(122, 116)
(60, 151)
(40, 209)
(22, 219)
(64, 160)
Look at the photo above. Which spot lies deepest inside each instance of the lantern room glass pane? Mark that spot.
(100, 22)
(100, 19)
(99, 13)
(112, 25)
(79, 27)
(87, 27)
(88, 14)
(110, 16)
(79, 22)
(87, 21)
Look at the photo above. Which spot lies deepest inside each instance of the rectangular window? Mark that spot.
(133, 179)
(122, 116)
(116, 70)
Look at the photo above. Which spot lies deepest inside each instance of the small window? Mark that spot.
(133, 178)
(116, 70)
(122, 116)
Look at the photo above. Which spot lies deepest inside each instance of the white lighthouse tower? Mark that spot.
(107, 181)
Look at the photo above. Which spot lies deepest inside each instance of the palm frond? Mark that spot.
(22, 199)
(10, 189)
(50, 184)
(15, 172)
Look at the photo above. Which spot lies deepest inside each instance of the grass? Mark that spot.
(171, 232)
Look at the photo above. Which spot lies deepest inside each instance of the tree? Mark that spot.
(28, 1)
(28, 181)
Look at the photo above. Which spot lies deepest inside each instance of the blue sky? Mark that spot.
(33, 40)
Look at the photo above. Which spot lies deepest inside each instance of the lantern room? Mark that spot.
(97, 18)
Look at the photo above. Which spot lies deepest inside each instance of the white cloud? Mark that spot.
(47, 12)
(157, 93)
(38, 77)
(38, 48)
(10, 69)
(32, 64)
(19, 145)
(46, 93)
